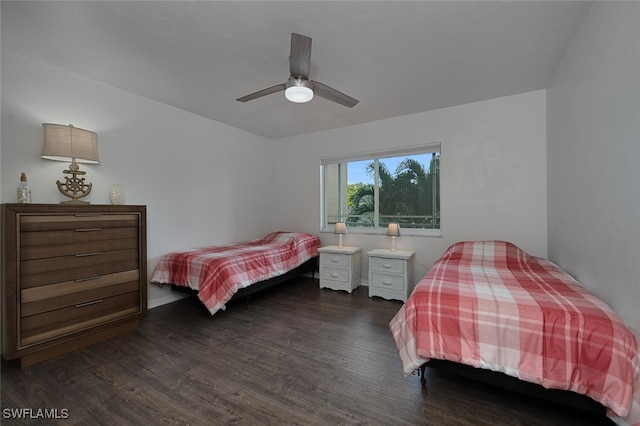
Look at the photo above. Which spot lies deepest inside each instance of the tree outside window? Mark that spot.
(372, 193)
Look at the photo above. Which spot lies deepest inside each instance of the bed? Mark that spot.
(219, 274)
(489, 306)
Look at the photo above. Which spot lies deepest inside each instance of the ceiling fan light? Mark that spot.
(298, 94)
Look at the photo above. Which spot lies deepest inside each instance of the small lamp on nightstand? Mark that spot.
(341, 229)
(393, 231)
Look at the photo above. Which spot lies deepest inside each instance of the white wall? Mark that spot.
(493, 166)
(207, 183)
(593, 104)
(203, 182)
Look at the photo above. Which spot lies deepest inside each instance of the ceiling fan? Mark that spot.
(299, 88)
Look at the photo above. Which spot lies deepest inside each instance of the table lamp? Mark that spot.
(393, 231)
(341, 229)
(68, 143)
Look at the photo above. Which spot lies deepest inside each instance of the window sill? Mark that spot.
(430, 233)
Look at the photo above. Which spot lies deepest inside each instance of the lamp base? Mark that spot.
(74, 187)
(393, 244)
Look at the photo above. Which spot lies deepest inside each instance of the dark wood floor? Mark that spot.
(299, 355)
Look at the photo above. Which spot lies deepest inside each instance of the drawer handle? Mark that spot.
(95, 253)
(95, 302)
(79, 280)
(87, 229)
(334, 275)
(387, 282)
(335, 259)
(87, 214)
(386, 265)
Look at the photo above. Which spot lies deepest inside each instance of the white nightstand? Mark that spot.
(340, 267)
(391, 274)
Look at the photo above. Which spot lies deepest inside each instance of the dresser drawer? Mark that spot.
(335, 274)
(77, 222)
(391, 266)
(47, 325)
(55, 238)
(93, 246)
(55, 296)
(390, 282)
(335, 259)
(79, 260)
(83, 273)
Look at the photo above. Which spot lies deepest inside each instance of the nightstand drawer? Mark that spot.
(334, 274)
(390, 282)
(390, 273)
(335, 259)
(386, 265)
(340, 267)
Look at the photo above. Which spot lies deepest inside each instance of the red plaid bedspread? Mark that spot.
(491, 305)
(218, 272)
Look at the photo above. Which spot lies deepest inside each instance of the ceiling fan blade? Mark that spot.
(300, 58)
(261, 93)
(334, 95)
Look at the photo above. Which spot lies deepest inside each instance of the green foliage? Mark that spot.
(360, 202)
(406, 196)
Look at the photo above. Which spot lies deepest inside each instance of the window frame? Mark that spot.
(430, 148)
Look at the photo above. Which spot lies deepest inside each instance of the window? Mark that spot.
(368, 191)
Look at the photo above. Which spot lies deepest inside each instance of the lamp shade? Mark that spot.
(341, 228)
(64, 143)
(393, 230)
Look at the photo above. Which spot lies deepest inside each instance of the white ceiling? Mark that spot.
(396, 57)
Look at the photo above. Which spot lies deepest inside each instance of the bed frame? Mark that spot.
(501, 380)
(310, 266)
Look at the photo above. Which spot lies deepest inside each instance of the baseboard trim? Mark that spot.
(173, 297)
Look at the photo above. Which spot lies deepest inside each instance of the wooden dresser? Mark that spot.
(72, 275)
